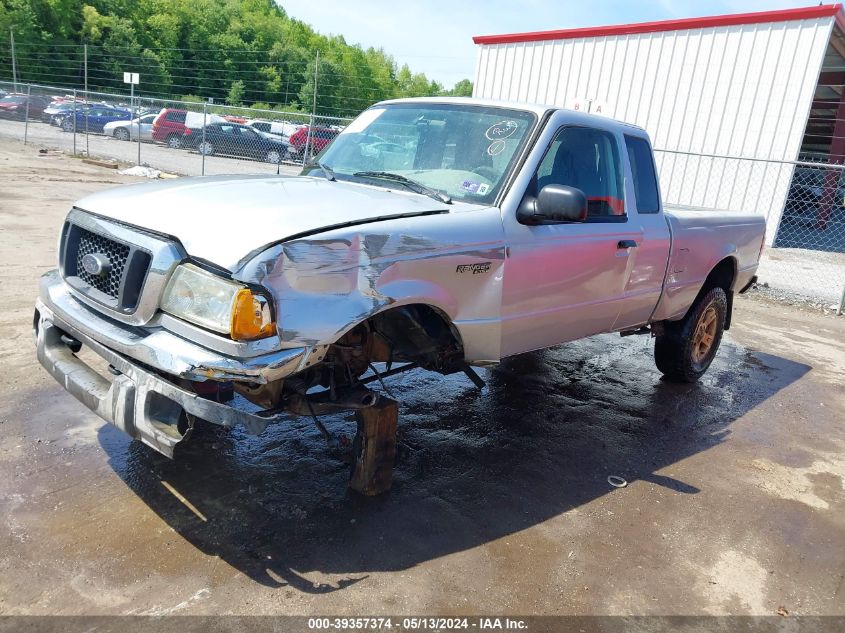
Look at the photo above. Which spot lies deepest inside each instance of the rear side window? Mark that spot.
(587, 159)
(642, 170)
(176, 117)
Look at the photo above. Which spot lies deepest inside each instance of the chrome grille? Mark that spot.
(117, 253)
(120, 285)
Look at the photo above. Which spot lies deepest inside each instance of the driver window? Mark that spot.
(587, 159)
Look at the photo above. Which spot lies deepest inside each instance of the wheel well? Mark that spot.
(411, 333)
(421, 330)
(722, 276)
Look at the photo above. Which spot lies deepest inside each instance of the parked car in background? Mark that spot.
(282, 129)
(93, 119)
(169, 127)
(128, 130)
(171, 124)
(57, 110)
(234, 139)
(20, 106)
(320, 138)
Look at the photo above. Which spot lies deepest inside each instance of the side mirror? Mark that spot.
(555, 204)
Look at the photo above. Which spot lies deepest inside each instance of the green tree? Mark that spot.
(236, 93)
(236, 51)
(462, 89)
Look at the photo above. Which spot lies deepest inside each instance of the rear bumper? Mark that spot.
(143, 402)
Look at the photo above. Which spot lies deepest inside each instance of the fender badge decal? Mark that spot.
(475, 269)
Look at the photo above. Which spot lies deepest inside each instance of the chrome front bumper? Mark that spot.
(139, 401)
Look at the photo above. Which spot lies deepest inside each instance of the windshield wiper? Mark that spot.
(327, 171)
(413, 185)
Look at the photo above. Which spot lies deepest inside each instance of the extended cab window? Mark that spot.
(587, 159)
(642, 171)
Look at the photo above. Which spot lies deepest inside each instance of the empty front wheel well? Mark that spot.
(419, 332)
(414, 333)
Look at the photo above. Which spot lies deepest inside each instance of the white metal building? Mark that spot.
(710, 91)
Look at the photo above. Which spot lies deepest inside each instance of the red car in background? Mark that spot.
(20, 106)
(172, 124)
(320, 137)
(169, 127)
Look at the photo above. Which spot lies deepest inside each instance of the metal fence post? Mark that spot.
(26, 112)
(73, 114)
(138, 119)
(202, 146)
(85, 114)
(308, 140)
(841, 303)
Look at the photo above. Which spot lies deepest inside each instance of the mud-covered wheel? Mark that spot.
(685, 349)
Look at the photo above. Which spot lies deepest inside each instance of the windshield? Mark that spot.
(463, 151)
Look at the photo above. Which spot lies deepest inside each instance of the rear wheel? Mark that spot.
(205, 148)
(121, 134)
(174, 142)
(685, 349)
(274, 157)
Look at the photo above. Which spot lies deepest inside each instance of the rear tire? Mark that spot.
(685, 349)
(205, 148)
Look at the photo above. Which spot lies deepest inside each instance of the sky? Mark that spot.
(435, 36)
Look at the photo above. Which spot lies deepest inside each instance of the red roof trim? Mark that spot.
(784, 15)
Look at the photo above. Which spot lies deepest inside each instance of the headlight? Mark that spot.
(217, 304)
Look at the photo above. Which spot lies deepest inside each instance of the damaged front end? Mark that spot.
(158, 385)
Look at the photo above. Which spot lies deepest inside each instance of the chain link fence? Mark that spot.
(803, 202)
(180, 137)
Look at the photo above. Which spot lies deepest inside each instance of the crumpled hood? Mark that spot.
(224, 218)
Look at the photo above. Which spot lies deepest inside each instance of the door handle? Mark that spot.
(626, 244)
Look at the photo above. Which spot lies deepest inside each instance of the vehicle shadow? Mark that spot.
(540, 440)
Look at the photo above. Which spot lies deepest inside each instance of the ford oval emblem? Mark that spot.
(96, 264)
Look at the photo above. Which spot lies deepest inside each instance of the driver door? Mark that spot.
(566, 281)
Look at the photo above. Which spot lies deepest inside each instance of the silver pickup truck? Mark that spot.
(432, 234)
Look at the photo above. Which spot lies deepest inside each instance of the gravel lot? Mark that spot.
(735, 502)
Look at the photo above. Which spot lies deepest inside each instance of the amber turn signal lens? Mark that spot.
(251, 317)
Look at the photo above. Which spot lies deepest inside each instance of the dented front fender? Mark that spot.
(324, 285)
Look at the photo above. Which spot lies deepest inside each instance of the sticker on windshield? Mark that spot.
(477, 188)
(495, 148)
(501, 130)
(470, 186)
